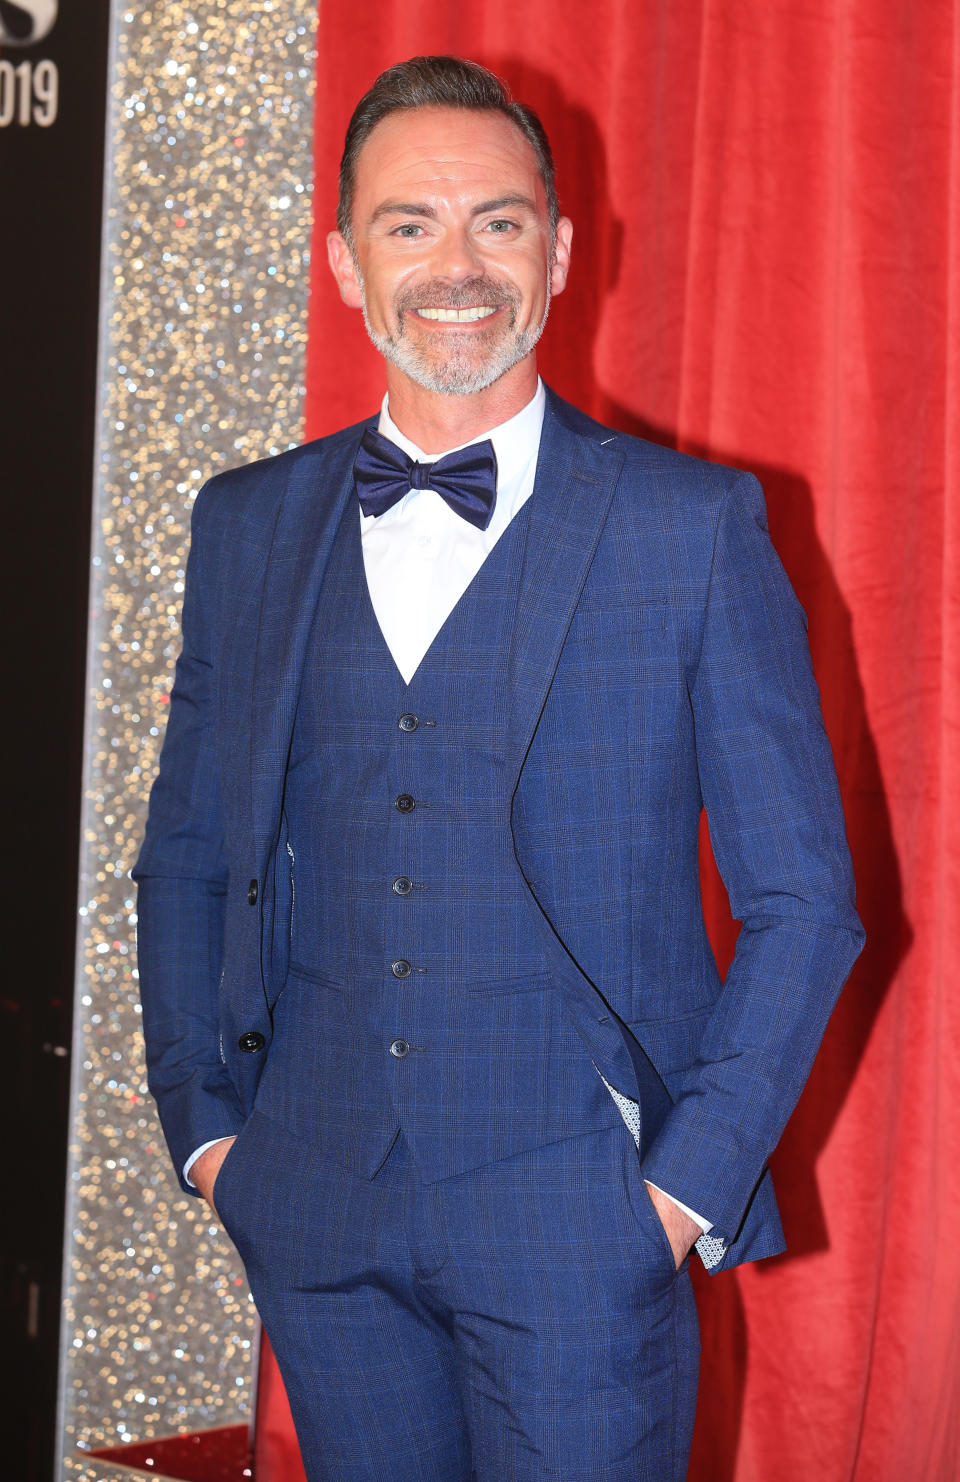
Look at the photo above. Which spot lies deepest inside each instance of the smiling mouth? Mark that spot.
(458, 316)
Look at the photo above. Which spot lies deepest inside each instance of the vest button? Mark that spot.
(408, 722)
(253, 891)
(405, 803)
(403, 885)
(251, 1042)
(399, 1047)
(401, 968)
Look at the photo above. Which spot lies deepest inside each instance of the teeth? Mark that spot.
(458, 316)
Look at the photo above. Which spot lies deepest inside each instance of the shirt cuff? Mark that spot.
(203, 1148)
(698, 1219)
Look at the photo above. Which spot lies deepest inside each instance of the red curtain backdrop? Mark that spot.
(766, 202)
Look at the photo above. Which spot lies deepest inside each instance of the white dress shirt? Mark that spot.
(420, 556)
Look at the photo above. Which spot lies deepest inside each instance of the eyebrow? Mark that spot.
(419, 208)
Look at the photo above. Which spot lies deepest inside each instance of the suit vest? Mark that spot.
(418, 995)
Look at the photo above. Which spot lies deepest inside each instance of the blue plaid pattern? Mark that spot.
(657, 663)
(490, 1063)
(710, 1250)
(522, 1320)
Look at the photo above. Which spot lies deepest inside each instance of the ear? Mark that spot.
(344, 270)
(561, 256)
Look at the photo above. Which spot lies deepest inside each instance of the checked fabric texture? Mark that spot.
(710, 1250)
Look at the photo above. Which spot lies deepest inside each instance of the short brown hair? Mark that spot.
(438, 82)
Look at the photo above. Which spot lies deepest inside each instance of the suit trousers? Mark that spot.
(520, 1322)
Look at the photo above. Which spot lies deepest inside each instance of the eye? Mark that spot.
(408, 229)
(500, 227)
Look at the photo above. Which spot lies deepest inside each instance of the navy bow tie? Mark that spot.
(467, 479)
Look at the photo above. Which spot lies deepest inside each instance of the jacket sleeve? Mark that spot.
(182, 877)
(770, 791)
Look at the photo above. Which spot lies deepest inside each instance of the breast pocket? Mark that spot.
(618, 623)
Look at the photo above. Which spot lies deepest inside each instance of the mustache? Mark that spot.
(473, 293)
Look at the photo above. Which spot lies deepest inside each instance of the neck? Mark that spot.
(436, 423)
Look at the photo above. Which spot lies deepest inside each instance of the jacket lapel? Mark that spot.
(575, 482)
(313, 502)
(577, 475)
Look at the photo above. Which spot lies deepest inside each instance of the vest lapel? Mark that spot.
(313, 502)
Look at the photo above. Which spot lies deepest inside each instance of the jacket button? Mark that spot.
(253, 890)
(401, 968)
(405, 803)
(251, 1042)
(399, 1047)
(408, 722)
(403, 885)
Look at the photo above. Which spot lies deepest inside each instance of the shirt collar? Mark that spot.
(515, 441)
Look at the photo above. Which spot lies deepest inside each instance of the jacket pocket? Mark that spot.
(650, 612)
(312, 975)
(524, 983)
(673, 1044)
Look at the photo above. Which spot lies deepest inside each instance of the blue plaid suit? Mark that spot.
(658, 663)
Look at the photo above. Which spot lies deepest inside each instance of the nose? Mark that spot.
(455, 257)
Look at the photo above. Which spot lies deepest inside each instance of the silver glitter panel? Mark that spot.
(203, 325)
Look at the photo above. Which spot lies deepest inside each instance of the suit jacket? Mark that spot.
(659, 665)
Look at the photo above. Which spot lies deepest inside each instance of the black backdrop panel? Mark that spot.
(53, 65)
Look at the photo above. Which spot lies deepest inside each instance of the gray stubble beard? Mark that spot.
(454, 377)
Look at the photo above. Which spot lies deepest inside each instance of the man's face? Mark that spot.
(452, 261)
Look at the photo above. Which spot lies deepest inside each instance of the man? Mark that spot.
(429, 1007)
